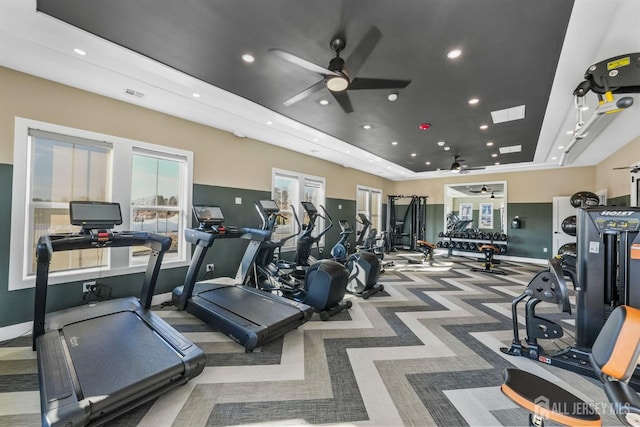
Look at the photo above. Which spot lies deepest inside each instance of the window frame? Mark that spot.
(301, 179)
(123, 150)
(367, 209)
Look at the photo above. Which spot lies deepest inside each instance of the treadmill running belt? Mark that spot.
(256, 306)
(111, 353)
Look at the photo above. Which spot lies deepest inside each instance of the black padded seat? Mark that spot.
(547, 400)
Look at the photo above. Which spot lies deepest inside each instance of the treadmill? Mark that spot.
(248, 316)
(98, 361)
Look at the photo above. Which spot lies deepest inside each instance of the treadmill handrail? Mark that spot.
(206, 237)
(47, 244)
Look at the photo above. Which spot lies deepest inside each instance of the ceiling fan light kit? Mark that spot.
(340, 76)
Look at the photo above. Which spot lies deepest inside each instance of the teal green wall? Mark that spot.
(535, 232)
(620, 201)
(17, 306)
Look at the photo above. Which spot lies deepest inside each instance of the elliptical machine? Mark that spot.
(322, 285)
(369, 241)
(364, 267)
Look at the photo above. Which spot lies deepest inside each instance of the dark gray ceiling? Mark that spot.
(510, 53)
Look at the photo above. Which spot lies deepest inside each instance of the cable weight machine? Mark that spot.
(404, 233)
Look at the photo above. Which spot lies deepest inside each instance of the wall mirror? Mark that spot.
(477, 205)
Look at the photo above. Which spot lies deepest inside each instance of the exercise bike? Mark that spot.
(364, 267)
(321, 285)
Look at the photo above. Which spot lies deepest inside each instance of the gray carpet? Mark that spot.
(423, 352)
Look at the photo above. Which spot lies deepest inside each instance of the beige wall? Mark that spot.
(538, 186)
(30, 97)
(617, 182)
(34, 98)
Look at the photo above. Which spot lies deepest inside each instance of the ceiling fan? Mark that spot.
(632, 169)
(458, 167)
(483, 190)
(340, 76)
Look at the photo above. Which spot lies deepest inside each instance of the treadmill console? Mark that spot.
(208, 216)
(96, 218)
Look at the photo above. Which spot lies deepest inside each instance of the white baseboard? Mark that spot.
(20, 329)
(15, 331)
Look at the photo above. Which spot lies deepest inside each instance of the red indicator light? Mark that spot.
(425, 126)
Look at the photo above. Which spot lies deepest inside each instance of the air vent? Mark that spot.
(134, 93)
(508, 114)
(511, 149)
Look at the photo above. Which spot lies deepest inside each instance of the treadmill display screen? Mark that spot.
(269, 206)
(94, 215)
(208, 214)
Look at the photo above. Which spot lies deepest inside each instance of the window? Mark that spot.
(54, 165)
(369, 202)
(289, 189)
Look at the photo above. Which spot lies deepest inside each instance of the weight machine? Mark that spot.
(606, 276)
(406, 232)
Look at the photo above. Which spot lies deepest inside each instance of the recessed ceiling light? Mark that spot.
(560, 147)
(366, 127)
(489, 143)
(455, 53)
(494, 155)
(195, 95)
(441, 143)
(248, 58)
(80, 52)
(323, 102)
(394, 142)
(496, 163)
(483, 127)
(447, 148)
(474, 101)
(392, 96)
(427, 163)
(569, 132)
(413, 154)
(269, 122)
(554, 158)
(315, 140)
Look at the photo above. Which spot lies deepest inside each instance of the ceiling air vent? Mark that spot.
(134, 93)
(508, 114)
(511, 149)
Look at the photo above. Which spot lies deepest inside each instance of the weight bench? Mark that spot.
(614, 356)
(427, 249)
(489, 251)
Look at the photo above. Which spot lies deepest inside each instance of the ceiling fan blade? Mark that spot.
(305, 93)
(363, 50)
(301, 62)
(343, 100)
(368, 83)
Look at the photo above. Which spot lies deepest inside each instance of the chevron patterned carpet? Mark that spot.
(423, 352)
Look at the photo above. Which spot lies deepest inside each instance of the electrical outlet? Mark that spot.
(544, 250)
(89, 286)
(210, 267)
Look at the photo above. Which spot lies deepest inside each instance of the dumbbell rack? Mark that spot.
(470, 241)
